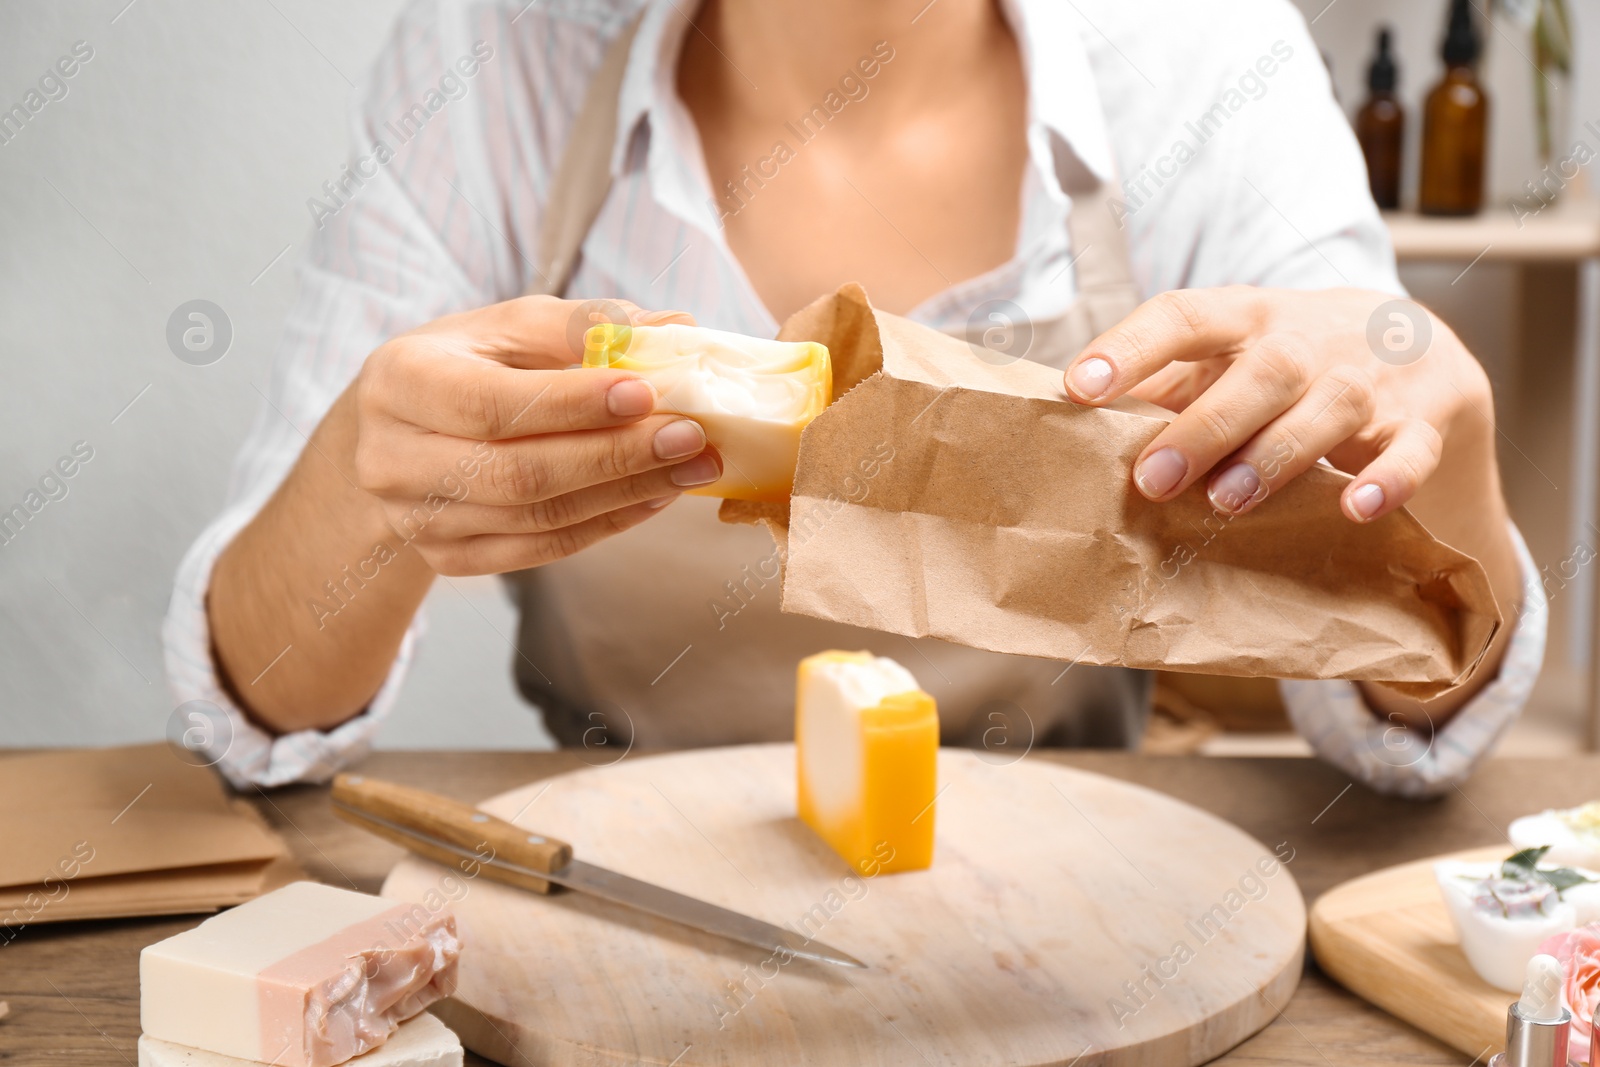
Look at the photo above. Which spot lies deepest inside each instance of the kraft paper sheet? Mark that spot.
(112, 832)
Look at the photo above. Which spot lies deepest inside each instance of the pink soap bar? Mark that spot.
(305, 976)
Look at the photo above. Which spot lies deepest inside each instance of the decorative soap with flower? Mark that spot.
(1504, 911)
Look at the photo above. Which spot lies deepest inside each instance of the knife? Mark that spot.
(448, 831)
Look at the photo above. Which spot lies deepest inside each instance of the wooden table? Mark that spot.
(74, 988)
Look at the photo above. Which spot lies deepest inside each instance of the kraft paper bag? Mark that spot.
(946, 493)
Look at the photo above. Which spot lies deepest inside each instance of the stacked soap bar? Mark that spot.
(753, 397)
(867, 739)
(305, 976)
(422, 1041)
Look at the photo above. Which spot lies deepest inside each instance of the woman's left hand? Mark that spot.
(1267, 381)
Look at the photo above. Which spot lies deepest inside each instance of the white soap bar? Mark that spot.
(1572, 835)
(752, 397)
(867, 753)
(420, 1042)
(1502, 921)
(305, 976)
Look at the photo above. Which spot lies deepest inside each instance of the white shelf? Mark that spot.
(1569, 230)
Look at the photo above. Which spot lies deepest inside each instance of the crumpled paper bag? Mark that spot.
(947, 493)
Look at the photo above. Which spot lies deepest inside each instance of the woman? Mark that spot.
(726, 165)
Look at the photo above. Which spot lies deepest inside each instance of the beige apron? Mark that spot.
(669, 635)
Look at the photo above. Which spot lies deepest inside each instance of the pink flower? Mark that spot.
(1579, 953)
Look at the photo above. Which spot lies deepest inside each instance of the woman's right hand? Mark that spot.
(489, 453)
(470, 440)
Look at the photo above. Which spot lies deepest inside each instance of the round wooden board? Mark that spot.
(1067, 919)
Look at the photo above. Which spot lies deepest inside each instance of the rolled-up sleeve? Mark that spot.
(378, 265)
(1345, 731)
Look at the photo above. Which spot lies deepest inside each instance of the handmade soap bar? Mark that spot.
(420, 1042)
(752, 396)
(867, 740)
(305, 976)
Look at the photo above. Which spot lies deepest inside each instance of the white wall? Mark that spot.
(176, 167)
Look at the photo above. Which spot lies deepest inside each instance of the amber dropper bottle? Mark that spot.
(1381, 126)
(1455, 122)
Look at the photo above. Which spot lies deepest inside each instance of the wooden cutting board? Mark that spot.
(1050, 889)
(1387, 938)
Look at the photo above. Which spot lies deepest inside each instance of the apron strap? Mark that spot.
(1107, 293)
(1106, 287)
(583, 177)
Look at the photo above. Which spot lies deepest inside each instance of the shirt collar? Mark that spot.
(650, 63)
(1063, 98)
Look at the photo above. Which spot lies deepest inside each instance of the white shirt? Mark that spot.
(1237, 167)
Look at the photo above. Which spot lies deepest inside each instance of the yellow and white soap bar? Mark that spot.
(867, 740)
(752, 396)
(305, 976)
(422, 1041)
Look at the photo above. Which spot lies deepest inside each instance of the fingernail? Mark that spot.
(1160, 472)
(661, 501)
(1367, 501)
(1235, 487)
(679, 438)
(629, 398)
(1091, 378)
(702, 470)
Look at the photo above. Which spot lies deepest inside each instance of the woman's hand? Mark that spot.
(489, 456)
(466, 441)
(1268, 381)
(1265, 382)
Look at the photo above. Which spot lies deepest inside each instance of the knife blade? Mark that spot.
(453, 833)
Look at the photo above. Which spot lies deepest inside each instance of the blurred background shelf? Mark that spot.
(1567, 231)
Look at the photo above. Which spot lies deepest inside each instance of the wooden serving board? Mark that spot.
(1050, 889)
(1387, 938)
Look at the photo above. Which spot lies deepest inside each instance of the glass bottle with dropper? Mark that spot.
(1537, 1026)
(1381, 126)
(1455, 124)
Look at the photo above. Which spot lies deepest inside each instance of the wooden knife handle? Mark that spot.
(482, 836)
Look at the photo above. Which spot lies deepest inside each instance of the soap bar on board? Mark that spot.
(752, 397)
(305, 976)
(420, 1042)
(867, 743)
